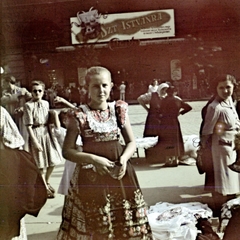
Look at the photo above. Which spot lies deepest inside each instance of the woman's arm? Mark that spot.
(54, 115)
(129, 140)
(33, 138)
(209, 122)
(186, 108)
(27, 94)
(130, 147)
(71, 153)
(205, 141)
(64, 101)
(142, 101)
(9, 98)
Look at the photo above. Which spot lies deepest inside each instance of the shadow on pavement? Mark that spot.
(56, 211)
(46, 236)
(175, 195)
(144, 164)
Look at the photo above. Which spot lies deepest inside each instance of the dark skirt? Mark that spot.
(101, 207)
(170, 138)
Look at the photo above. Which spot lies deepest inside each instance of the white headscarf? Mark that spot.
(161, 86)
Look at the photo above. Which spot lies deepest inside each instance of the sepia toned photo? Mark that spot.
(120, 120)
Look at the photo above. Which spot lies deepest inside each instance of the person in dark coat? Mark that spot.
(153, 120)
(170, 135)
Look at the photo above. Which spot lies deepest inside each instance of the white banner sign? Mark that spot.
(92, 27)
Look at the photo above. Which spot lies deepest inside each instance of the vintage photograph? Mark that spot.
(120, 120)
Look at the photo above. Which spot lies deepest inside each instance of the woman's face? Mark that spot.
(155, 83)
(37, 92)
(163, 92)
(225, 89)
(100, 87)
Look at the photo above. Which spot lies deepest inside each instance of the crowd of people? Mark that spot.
(86, 137)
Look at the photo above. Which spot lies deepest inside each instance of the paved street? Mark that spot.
(175, 185)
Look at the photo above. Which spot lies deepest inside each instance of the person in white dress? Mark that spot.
(153, 87)
(145, 99)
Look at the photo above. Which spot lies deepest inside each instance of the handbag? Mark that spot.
(199, 161)
(204, 159)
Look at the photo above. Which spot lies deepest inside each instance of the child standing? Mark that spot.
(104, 200)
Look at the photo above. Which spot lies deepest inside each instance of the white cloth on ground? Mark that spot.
(176, 221)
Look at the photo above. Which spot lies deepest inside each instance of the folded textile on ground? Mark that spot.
(176, 221)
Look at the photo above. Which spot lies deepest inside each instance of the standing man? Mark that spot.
(122, 89)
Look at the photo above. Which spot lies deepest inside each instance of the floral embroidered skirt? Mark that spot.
(101, 207)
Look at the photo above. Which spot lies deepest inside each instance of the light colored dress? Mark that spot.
(122, 89)
(69, 166)
(36, 114)
(221, 121)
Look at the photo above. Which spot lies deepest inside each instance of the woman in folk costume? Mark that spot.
(105, 200)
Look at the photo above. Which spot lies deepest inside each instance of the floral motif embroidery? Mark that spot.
(137, 227)
(102, 125)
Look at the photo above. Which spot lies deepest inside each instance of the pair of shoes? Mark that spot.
(50, 188)
(50, 194)
(235, 167)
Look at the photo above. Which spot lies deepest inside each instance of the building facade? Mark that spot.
(36, 44)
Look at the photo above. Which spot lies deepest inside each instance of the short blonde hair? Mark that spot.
(96, 70)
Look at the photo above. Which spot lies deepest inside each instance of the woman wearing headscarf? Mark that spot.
(152, 124)
(152, 121)
(170, 135)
